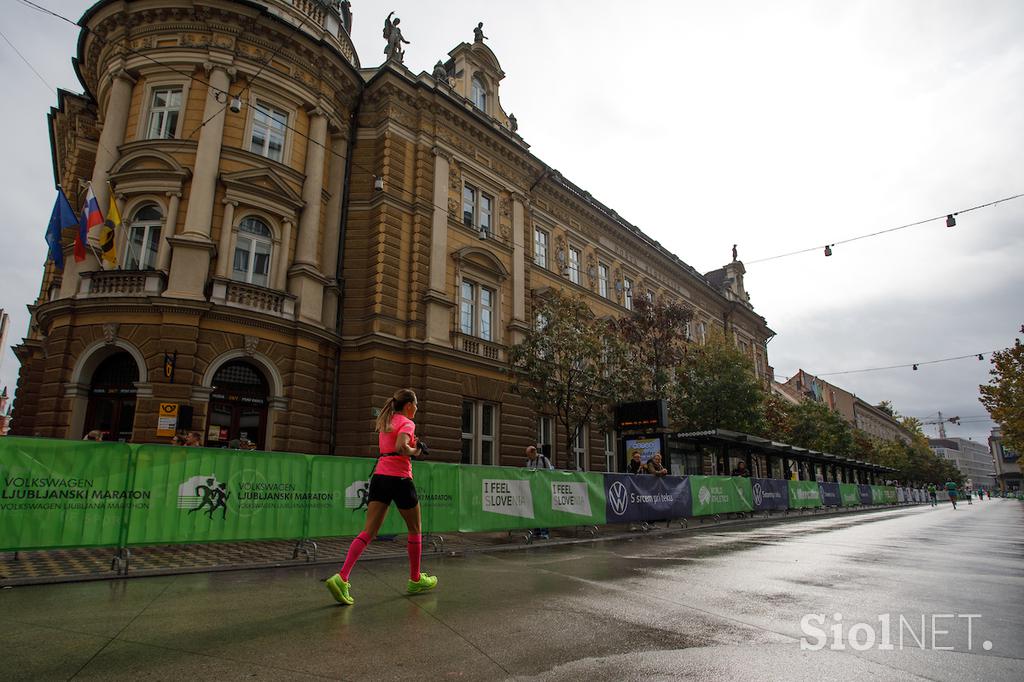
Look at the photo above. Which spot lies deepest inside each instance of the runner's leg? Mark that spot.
(415, 544)
(375, 514)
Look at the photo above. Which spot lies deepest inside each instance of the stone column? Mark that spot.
(224, 248)
(519, 325)
(279, 280)
(306, 281)
(192, 251)
(163, 254)
(439, 303)
(332, 226)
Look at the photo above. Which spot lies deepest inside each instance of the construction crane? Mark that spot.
(941, 423)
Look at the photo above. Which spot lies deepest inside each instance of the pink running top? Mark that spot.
(395, 465)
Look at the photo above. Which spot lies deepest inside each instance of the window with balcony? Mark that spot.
(164, 111)
(476, 310)
(602, 280)
(144, 238)
(540, 247)
(253, 247)
(269, 125)
(574, 265)
(479, 433)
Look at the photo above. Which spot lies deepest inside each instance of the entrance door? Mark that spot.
(238, 407)
(112, 392)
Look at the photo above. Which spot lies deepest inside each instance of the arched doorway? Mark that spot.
(112, 398)
(238, 406)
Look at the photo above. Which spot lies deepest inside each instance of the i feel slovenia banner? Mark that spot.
(720, 495)
(804, 495)
(57, 493)
(632, 498)
(497, 498)
(849, 494)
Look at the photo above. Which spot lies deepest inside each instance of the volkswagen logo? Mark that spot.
(758, 495)
(618, 497)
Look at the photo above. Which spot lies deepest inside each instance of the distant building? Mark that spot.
(860, 414)
(974, 460)
(1006, 462)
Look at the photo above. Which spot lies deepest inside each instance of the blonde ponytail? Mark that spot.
(395, 403)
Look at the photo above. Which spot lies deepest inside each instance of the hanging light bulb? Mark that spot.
(828, 251)
(915, 368)
(979, 356)
(950, 220)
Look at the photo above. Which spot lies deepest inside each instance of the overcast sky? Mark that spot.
(774, 125)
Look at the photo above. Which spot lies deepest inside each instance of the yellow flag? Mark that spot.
(108, 232)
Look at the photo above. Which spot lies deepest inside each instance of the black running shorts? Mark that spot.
(392, 488)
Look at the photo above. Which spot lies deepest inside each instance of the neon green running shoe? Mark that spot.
(339, 589)
(424, 584)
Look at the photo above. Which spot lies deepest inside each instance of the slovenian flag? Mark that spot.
(91, 217)
(62, 216)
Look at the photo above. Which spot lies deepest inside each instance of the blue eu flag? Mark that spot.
(63, 216)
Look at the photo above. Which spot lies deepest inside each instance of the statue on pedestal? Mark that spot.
(393, 35)
(478, 33)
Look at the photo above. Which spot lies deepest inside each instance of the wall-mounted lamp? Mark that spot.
(378, 183)
(236, 104)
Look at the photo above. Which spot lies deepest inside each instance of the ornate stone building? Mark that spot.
(304, 235)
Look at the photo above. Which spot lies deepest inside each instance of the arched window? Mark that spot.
(144, 238)
(238, 407)
(253, 247)
(479, 95)
(112, 398)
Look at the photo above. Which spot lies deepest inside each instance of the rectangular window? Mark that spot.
(468, 205)
(609, 451)
(544, 432)
(602, 280)
(627, 293)
(574, 265)
(485, 214)
(479, 433)
(268, 130)
(579, 449)
(540, 247)
(252, 261)
(143, 241)
(164, 109)
(476, 310)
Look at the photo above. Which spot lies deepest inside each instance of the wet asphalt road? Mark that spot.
(714, 604)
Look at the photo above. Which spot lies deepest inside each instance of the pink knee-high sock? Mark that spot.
(354, 550)
(414, 548)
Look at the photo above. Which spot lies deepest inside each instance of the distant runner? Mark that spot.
(932, 494)
(951, 491)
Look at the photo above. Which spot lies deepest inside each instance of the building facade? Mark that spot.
(1006, 462)
(304, 235)
(974, 460)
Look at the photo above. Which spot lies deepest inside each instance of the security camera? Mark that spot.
(236, 104)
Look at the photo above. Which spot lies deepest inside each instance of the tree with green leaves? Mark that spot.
(567, 365)
(1003, 397)
(655, 336)
(716, 387)
(818, 428)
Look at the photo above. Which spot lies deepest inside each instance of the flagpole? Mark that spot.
(124, 228)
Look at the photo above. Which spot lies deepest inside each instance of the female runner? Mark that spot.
(391, 481)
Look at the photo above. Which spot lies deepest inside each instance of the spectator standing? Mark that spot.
(741, 470)
(655, 467)
(534, 461)
(635, 466)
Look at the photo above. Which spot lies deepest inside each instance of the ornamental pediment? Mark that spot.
(146, 169)
(257, 186)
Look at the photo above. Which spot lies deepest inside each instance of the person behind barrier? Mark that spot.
(636, 465)
(655, 467)
(391, 481)
(535, 460)
(95, 435)
(741, 469)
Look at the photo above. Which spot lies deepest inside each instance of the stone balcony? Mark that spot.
(477, 346)
(121, 283)
(254, 298)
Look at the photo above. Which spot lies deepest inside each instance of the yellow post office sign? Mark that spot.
(167, 422)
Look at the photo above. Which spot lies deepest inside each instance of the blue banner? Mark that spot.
(770, 494)
(830, 494)
(646, 498)
(865, 494)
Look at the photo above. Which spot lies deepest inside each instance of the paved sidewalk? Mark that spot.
(69, 565)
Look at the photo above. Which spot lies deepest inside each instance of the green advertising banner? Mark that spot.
(804, 495)
(850, 494)
(720, 495)
(348, 479)
(500, 498)
(889, 495)
(56, 493)
(206, 494)
(877, 494)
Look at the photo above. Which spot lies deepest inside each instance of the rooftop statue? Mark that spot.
(478, 33)
(393, 35)
(440, 73)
